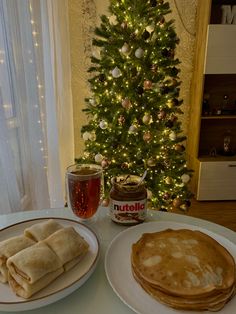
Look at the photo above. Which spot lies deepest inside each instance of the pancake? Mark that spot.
(184, 269)
(68, 245)
(42, 230)
(8, 248)
(211, 303)
(32, 269)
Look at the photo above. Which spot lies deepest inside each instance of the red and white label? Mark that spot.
(128, 211)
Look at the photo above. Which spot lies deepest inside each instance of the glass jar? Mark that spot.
(128, 200)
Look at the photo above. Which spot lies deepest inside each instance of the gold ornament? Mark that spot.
(179, 148)
(121, 120)
(125, 49)
(92, 136)
(147, 118)
(106, 202)
(166, 196)
(184, 207)
(177, 202)
(126, 103)
(104, 163)
(124, 25)
(170, 103)
(168, 180)
(161, 115)
(147, 136)
(172, 136)
(151, 162)
(154, 68)
(125, 165)
(133, 129)
(147, 84)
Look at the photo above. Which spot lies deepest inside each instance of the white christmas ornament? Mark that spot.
(96, 54)
(92, 101)
(98, 158)
(185, 178)
(139, 53)
(150, 28)
(103, 124)
(172, 136)
(113, 20)
(125, 49)
(116, 72)
(86, 136)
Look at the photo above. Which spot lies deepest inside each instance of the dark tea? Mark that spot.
(84, 191)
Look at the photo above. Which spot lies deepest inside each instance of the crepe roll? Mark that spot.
(8, 248)
(42, 230)
(68, 245)
(32, 269)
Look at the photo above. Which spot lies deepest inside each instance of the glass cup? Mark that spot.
(84, 184)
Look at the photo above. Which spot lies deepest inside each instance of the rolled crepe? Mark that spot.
(8, 248)
(68, 245)
(32, 269)
(42, 230)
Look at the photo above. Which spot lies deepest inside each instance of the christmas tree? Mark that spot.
(134, 105)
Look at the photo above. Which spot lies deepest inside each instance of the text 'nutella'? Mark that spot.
(128, 200)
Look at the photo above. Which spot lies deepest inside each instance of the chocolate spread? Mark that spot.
(128, 200)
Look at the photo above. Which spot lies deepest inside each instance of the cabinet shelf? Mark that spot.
(207, 158)
(218, 117)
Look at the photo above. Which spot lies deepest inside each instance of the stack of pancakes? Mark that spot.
(184, 269)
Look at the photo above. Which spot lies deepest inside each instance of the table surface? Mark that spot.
(96, 295)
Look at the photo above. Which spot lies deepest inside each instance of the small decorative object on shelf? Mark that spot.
(205, 105)
(227, 144)
(213, 152)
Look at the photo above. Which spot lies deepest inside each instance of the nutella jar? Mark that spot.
(128, 200)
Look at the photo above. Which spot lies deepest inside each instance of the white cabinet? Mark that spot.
(221, 49)
(217, 180)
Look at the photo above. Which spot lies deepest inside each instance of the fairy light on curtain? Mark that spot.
(37, 38)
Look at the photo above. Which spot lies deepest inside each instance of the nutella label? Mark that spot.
(128, 211)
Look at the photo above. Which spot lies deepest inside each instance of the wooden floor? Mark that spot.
(220, 212)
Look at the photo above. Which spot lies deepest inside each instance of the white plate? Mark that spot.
(65, 283)
(119, 274)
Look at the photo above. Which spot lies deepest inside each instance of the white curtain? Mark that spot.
(36, 136)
